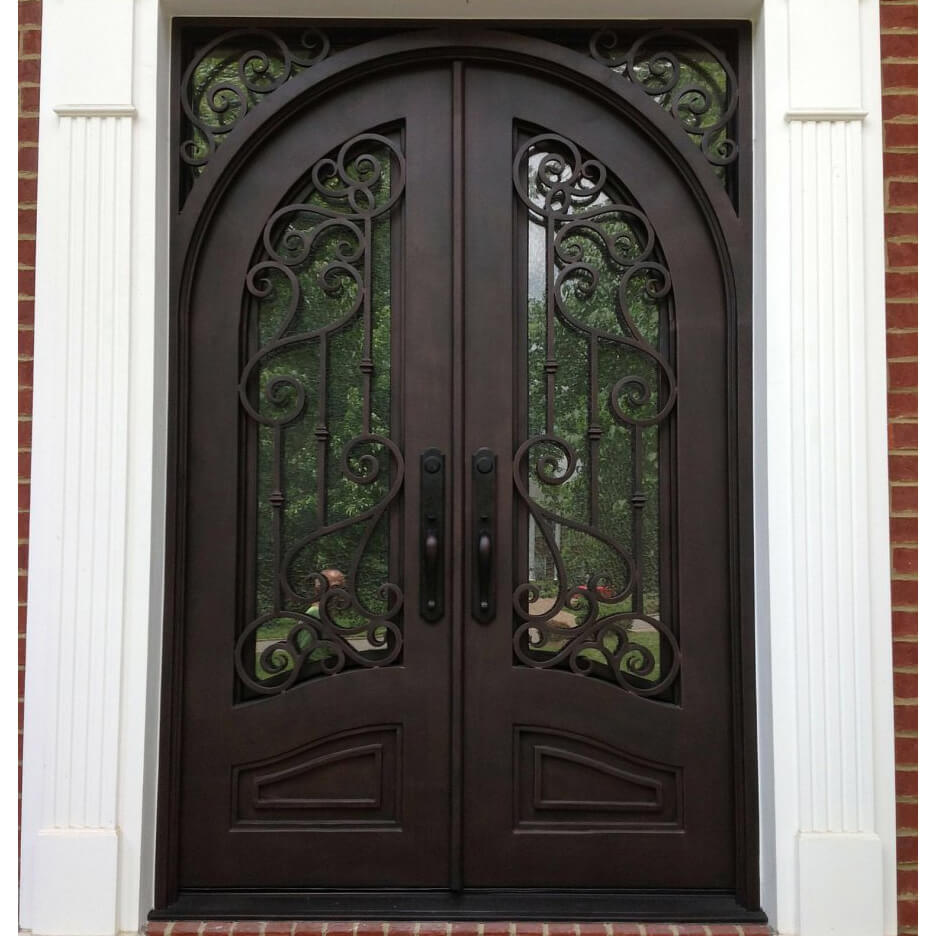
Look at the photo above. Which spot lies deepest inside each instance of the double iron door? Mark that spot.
(455, 606)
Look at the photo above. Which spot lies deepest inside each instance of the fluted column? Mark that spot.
(78, 602)
(832, 525)
(829, 614)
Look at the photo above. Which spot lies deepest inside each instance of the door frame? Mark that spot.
(827, 825)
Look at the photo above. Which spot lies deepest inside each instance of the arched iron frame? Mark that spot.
(731, 231)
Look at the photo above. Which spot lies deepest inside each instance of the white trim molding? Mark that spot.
(825, 731)
(95, 110)
(826, 114)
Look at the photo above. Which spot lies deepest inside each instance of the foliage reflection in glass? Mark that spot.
(317, 385)
(599, 387)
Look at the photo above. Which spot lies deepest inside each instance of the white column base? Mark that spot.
(841, 884)
(75, 884)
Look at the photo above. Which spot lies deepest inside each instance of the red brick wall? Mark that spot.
(30, 16)
(899, 75)
(899, 72)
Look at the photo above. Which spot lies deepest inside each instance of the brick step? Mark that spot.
(397, 928)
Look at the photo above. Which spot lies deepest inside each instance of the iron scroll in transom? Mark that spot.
(685, 73)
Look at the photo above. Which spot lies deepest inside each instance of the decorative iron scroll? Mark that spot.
(318, 260)
(682, 71)
(229, 75)
(685, 74)
(602, 268)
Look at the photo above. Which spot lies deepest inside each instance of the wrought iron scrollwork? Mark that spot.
(227, 76)
(667, 65)
(682, 71)
(592, 623)
(324, 243)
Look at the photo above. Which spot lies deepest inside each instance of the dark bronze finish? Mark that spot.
(461, 781)
(483, 481)
(432, 534)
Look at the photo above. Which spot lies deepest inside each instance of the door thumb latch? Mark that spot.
(483, 496)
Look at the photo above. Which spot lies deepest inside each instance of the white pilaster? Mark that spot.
(826, 470)
(79, 530)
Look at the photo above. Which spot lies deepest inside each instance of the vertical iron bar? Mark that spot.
(394, 364)
(594, 430)
(321, 434)
(550, 365)
(638, 499)
(524, 545)
(367, 363)
(277, 501)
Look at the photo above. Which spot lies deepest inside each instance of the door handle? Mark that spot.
(431, 534)
(483, 477)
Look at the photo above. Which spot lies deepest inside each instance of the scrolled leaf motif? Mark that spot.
(591, 234)
(350, 180)
(659, 73)
(611, 637)
(635, 388)
(369, 517)
(556, 466)
(282, 661)
(261, 69)
(565, 179)
(624, 247)
(344, 225)
(324, 243)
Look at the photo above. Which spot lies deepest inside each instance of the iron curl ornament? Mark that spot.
(583, 218)
(325, 243)
(664, 64)
(682, 71)
(227, 76)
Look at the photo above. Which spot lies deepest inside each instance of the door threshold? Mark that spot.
(475, 905)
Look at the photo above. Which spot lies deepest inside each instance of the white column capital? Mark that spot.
(87, 48)
(825, 66)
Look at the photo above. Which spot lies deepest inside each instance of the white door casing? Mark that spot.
(824, 696)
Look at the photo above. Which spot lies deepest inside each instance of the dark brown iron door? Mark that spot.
(456, 635)
(597, 734)
(315, 720)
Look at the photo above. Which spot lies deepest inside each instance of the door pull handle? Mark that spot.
(485, 548)
(483, 477)
(431, 534)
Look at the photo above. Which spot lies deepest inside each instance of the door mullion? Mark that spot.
(457, 552)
